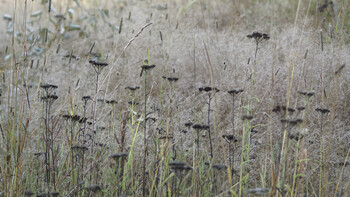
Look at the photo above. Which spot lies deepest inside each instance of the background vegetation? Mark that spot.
(175, 98)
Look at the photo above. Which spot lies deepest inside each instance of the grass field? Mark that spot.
(175, 98)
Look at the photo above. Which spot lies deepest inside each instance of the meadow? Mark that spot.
(174, 98)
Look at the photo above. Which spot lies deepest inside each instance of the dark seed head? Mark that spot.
(148, 67)
(133, 103)
(208, 89)
(98, 64)
(229, 138)
(235, 91)
(254, 131)
(179, 166)
(74, 118)
(323, 110)
(172, 79)
(111, 101)
(132, 88)
(259, 36)
(50, 97)
(308, 94)
(86, 98)
(292, 122)
(188, 124)
(166, 137)
(47, 86)
(184, 131)
(200, 127)
(276, 109)
(346, 164)
(285, 108)
(38, 154)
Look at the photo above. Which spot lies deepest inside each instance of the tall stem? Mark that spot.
(211, 146)
(144, 139)
(47, 156)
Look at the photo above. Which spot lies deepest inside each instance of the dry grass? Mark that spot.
(203, 44)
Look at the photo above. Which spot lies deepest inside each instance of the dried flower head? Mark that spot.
(254, 131)
(291, 122)
(308, 94)
(200, 127)
(132, 88)
(188, 124)
(208, 89)
(146, 68)
(345, 164)
(176, 164)
(166, 137)
(184, 131)
(133, 103)
(86, 98)
(48, 87)
(74, 118)
(276, 109)
(235, 91)
(179, 166)
(50, 97)
(171, 79)
(229, 138)
(38, 154)
(98, 66)
(325, 5)
(111, 101)
(323, 110)
(279, 108)
(259, 36)
(285, 108)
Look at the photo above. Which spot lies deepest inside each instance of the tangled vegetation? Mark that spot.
(175, 98)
